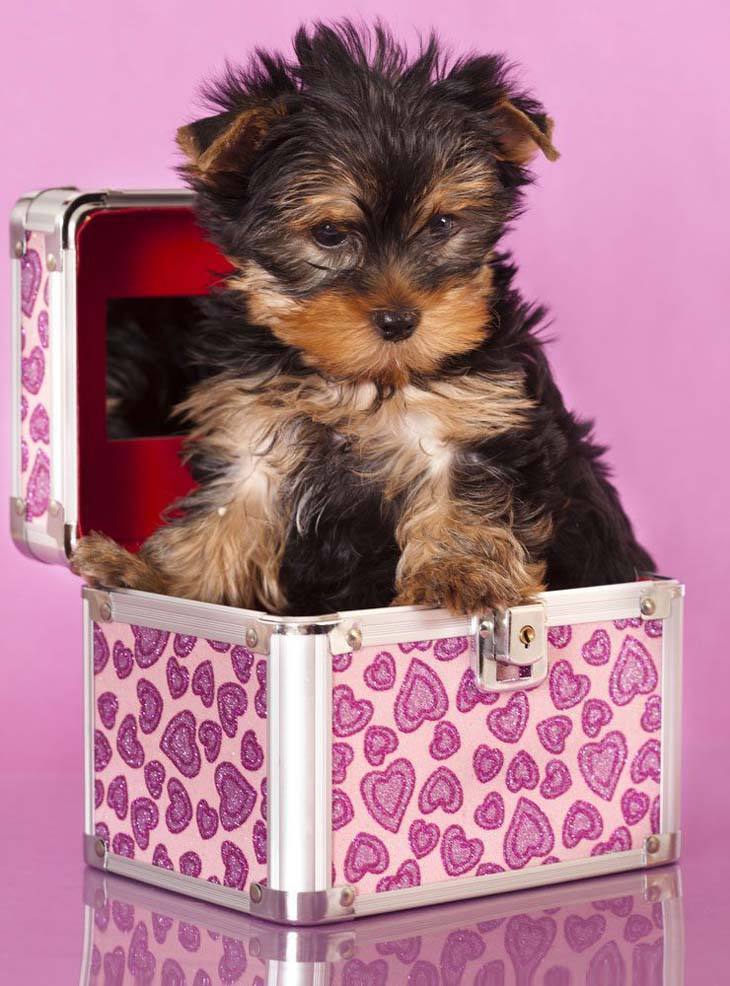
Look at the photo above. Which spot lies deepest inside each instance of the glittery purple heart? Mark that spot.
(31, 271)
(128, 746)
(43, 326)
(204, 683)
(421, 697)
(509, 723)
(117, 796)
(264, 799)
(180, 809)
(423, 837)
(469, 695)
(161, 858)
(242, 661)
(38, 490)
(108, 706)
(154, 777)
(408, 874)
(597, 650)
(637, 927)
(33, 369)
(594, 716)
(566, 687)
(252, 756)
(487, 762)
(101, 649)
(207, 819)
(378, 743)
(210, 735)
(40, 430)
(122, 659)
(522, 772)
(342, 810)
(446, 741)
(183, 644)
(349, 715)
(380, 675)
(149, 644)
(259, 699)
(177, 678)
(145, 818)
(449, 648)
(422, 645)
(190, 865)
(236, 867)
(634, 805)
(653, 628)
(583, 821)
(458, 853)
(114, 967)
(232, 704)
(553, 733)
(386, 793)
(560, 636)
(178, 742)
(490, 813)
(556, 781)
(341, 662)
(651, 717)
(98, 792)
(461, 947)
(150, 706)
(634, 672)
(365, 854)
(342, 757)
(123, 845)
(601, 764)
(582, 933)
(634, 621)
(647, 763)
(528, 836)
(259, 842)
(442, 789)
(102, 751)
(237, 797)
(618, 841)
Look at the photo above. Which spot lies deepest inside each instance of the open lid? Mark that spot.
(105, 286)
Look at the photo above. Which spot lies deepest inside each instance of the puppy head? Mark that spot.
(360, 196)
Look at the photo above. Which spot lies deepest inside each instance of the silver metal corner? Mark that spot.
(18, 224)
(656, 599)
(101, 608)
(309, 907)
(52, 545)
(95, 851)
(658, 850)
(664, 884)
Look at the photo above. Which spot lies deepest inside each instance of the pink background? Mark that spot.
(625, 239)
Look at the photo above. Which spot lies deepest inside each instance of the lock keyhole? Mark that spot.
(527, 635)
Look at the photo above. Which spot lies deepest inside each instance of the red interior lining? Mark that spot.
(130, 253)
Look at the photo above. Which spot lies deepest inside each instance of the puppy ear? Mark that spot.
(226, 141)
(523, 133)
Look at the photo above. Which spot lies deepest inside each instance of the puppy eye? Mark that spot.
(441, 225)
(328, 234)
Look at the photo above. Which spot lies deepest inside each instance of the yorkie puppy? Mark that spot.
(378, 422)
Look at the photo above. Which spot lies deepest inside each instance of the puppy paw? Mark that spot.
(469, 585)
(102, 563)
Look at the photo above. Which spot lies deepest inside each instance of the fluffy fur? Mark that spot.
(340, 467)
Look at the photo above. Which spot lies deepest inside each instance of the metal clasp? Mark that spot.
(509, 648)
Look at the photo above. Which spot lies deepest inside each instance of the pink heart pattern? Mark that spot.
(181, 775)
(500, 781)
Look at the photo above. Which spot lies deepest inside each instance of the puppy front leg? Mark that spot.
(462, 558)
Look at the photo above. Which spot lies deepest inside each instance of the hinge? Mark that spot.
(509, 648)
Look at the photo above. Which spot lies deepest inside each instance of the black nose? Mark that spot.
(397, 324)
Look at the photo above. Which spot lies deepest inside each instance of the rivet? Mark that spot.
(347, 897)
(19, 505)
(50, 262)
(105, 612)
(527, 635)
(100, 848)
(354, 638)
(347, 950)
(256, 893)
(53, 508)
(19, 248)
(648, 606)
(252, 638)
(653, 844)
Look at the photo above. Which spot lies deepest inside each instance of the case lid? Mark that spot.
(104, 285)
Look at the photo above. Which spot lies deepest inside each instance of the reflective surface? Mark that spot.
(61, 923)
